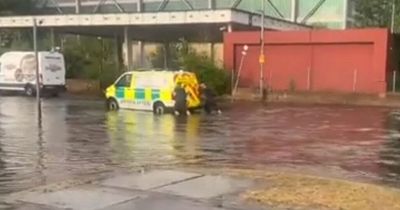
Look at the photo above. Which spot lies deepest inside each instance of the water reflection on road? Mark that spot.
(78, 138)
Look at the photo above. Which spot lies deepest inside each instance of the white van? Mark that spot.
(18, 72)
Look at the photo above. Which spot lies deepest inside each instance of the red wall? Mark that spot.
(319, 60)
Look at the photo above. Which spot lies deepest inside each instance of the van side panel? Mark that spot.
(166, 95)
(129, 94)
(140, 94)
(155, 94)
(148, 94)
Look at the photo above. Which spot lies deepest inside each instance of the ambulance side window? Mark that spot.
(124, 81)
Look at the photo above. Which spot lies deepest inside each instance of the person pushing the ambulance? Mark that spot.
(208, 97)
(180, 95)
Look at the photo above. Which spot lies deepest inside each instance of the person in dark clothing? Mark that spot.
(180, 95)
(209, 100)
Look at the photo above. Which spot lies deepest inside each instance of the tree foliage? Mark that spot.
(206, 71)
(375, 13)
(17, 7)
(91, 58)
(15, 39)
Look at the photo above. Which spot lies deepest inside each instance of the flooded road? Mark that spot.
(79, 138)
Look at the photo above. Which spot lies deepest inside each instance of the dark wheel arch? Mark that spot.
(112, 104)
(29, 89)
(159, 108)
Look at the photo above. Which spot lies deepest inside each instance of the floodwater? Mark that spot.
(80, 138)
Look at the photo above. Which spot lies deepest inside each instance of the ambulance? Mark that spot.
(152, 90)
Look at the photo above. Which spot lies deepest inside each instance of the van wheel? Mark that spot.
(159, 108)
(29, 91)
(112, 105)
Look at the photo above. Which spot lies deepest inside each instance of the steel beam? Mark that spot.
(52, 38)
(141, 54)
(279, 13)
(230, 28)
(236, 3)
(57, 6)
(211, 4)
(139, 5)
(295, 11)
(77, 6)
(118, 6)
(346, 13)
(163, 5)
(96, 9)
(188, 4)
(128, 48)
(101, 2)
(313, 11)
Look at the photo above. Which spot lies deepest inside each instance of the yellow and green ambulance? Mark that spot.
(151, 90)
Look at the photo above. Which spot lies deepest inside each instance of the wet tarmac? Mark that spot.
(79, 138)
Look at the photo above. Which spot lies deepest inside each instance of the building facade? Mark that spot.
(333, 14)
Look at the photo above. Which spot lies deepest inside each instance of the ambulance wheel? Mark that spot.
(112, 105)
(159, 108)
(29, 90)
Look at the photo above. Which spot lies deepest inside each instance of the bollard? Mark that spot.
(394, 81)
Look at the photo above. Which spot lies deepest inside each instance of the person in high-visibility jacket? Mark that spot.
(180, 95)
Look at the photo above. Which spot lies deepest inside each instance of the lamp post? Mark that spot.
(101, 40)
(393, 16)
(35, 49)
(262, 56)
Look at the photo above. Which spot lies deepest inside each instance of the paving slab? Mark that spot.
(29, 206)
(149, 180)
(206, 187)
(80, 198)
(4, 206)
(162, 202)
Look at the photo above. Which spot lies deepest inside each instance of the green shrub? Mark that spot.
(91, 58)
(207, 72)
(181, 56)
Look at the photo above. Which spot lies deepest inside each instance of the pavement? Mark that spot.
(151, 190)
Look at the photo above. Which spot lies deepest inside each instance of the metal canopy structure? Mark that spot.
(149, 20)
(332, 12)
(156, 26)
(159, 21)
(123, 6)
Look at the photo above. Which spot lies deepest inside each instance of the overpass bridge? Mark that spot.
(148, 20)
